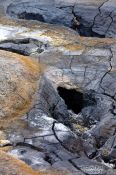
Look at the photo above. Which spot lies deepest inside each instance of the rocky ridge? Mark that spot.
(70, 126)
(95, 18)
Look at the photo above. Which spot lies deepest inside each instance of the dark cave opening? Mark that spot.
(73, 99)
(86, 31)
(31, 16)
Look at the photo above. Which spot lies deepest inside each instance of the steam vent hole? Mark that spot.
(73, 99)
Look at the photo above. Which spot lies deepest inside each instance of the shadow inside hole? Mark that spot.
(73, 99)
(86, 31)
(31, 16)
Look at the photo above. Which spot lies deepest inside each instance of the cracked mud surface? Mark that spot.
(70, 127)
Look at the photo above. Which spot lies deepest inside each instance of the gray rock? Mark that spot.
(68, 167)
(89, 166)
(95, 18)
(48, 13)
(54, 135)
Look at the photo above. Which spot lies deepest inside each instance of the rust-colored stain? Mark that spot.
(10, 165)
(59, 36)
(18, 85)
(15, 166)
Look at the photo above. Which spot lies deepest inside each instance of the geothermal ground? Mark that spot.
(58, 87)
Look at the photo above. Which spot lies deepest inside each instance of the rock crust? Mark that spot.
(94, 18)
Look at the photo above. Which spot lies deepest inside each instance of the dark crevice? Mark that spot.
(48, 159)
(57, 155)
(15, 51)
(84, 30)
(84, 103)
(31, 16)
(16, 41)
(72, 98)
(77, 24)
